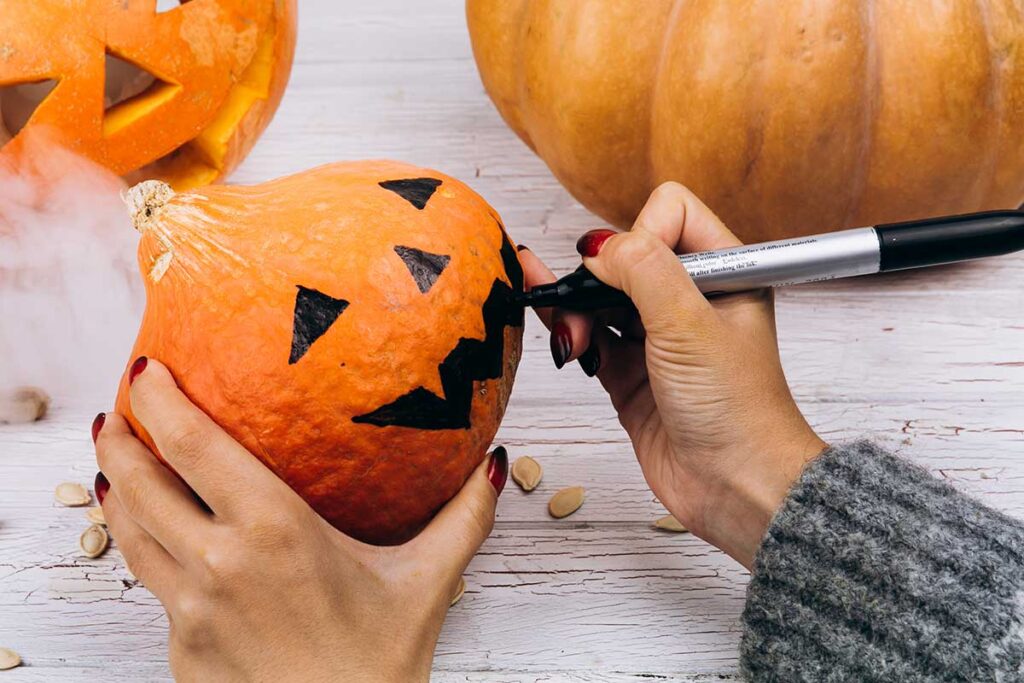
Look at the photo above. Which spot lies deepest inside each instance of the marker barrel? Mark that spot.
(846, 253)
(785, 262)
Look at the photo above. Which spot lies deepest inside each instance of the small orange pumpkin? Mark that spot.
(201, 80)
(352, 326)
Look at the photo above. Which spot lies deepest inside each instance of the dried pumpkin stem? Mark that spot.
(145, 200)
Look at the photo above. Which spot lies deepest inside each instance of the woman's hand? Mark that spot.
(697, 384)
(258, 586)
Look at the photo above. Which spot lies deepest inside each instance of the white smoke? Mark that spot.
(70, 296)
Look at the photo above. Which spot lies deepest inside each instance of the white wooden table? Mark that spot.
(930, 363)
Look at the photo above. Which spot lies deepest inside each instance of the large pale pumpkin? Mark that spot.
(786, 117)
(352, 326)
(182, 94)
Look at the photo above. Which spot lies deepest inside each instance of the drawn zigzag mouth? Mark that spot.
(471, 360)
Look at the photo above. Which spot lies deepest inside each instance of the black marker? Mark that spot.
(847, 253)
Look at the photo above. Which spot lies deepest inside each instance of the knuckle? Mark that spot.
(191, 618)
(137, 566)
(634, 248)
(669, 189)
(273, 528)
(186, 440)
(132, 490)
(221, 566)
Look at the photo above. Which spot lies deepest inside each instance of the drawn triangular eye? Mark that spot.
(424, 267)
(315, 312)
(416, 191)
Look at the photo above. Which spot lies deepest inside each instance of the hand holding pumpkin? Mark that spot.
(259, 561)
(349, 325)
(698, 385)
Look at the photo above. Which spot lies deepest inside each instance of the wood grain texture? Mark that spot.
(930, 363)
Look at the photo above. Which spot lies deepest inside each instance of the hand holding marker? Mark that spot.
(847, 253)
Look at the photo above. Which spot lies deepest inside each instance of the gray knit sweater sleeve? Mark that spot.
(874, 570)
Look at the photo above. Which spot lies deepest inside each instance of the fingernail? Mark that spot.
(137, 367)
(590, 360)
(591, 242)
(101, 486)
(522, 247)
(497, 471)
(561, 344)
(97, 425)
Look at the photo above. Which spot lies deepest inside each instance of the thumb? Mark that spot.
(453, 537)
(643, 262)
(648, 271)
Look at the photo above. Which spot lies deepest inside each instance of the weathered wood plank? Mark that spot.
(931, 363)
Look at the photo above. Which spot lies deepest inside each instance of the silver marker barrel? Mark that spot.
(846, 253)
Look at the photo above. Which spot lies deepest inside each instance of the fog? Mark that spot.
(70, 296)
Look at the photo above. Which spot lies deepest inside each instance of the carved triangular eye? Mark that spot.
(17, 104)
(315, 312)
(416, 191)
(424, 267)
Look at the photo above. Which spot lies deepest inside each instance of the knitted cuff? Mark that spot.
(872, 569)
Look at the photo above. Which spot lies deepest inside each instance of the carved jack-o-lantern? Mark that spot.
(180, 93)
(352, 326)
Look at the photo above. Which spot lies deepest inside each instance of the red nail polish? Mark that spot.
(497, 471)
(137, 367)
(561, 343)
(590, 360)
(97, 425)
(591, 242)
(101, 486)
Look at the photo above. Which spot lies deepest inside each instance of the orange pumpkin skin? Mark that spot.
(344, 417)
(786, 118)
(222, 67)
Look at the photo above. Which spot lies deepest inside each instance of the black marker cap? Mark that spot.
(950, 239)
(579, 290)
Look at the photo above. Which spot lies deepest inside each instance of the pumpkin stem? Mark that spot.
(145, 200)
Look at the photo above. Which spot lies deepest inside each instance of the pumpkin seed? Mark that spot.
(95, 515)
(459, 590)
(94, 541)
(23, 405)
(526, 472)
(72, 494)
(8, 659)
(669, 523)
(566, 501)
